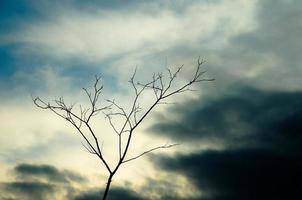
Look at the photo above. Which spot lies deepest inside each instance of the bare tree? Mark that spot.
(162, 88)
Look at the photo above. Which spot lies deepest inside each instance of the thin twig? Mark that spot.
(149, 151)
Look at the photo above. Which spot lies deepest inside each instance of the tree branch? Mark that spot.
(149, 151)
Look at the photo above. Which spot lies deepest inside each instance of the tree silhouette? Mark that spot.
(162, 88)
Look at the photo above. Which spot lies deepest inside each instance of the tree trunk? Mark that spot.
(107, 187)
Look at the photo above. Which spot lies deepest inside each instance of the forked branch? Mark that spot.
(82, 117)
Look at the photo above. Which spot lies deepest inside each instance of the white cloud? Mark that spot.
(100, 35)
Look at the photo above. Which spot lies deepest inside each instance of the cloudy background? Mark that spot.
(240, 136)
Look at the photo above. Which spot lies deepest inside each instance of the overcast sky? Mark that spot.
(240, 135)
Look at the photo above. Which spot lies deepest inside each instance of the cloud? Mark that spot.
(278, 31)
(239, 174)
(115, 193)
(98, 35)
(32, 190)
(45, 182)
(249, 117)
(48, 172)
(168, 185)
(243, 41)
(42, 182)
(43, 79)
(266, 56)
(258, 135)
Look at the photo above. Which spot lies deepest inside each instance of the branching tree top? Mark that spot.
(161, 86)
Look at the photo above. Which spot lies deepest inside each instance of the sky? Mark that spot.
(240, 135)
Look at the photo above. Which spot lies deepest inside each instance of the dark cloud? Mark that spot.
(89, 195)
(261, 133)
(240, 174)
(161, 188)
(251, 117)
(41, 182)
(51, 173)
(29, 190)
(114, 194)
(45, 182)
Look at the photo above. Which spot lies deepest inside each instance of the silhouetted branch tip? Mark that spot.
(149, 151)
